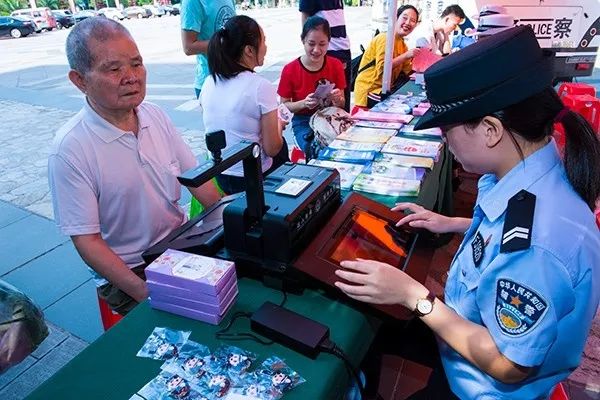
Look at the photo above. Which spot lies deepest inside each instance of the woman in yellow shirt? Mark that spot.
(370, 76)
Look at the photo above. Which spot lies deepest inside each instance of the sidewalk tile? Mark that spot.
(25, 240)
(55, 337)
(51, 276)
(13, 373)
(42, 370)
(78, 313)
(10, 214)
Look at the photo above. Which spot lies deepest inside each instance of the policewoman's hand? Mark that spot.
(420, 217)
(378, 283)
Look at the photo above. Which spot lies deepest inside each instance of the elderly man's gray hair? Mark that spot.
(97, 28)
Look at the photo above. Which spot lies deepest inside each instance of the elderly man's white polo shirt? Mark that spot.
(108, 181)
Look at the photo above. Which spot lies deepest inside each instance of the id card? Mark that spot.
(293, 187)
(323, 90)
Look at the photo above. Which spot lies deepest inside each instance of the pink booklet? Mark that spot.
(424, 59)
(382, 117)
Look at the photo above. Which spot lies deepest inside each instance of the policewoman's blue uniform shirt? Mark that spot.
(205, 17)
(537, 303)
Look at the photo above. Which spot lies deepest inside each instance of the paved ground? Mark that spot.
(35, 99)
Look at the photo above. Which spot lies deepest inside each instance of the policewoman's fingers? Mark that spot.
(412, 207)
(359, 266)
(354, 290)
(409, 218)
(353, 277)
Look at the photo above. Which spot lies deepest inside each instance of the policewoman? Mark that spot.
(524, 285)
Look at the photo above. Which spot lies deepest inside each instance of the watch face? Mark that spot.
(424, 306)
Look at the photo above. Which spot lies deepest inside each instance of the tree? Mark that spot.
(8, 6)
(51, 4)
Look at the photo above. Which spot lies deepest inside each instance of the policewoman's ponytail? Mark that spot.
(581, 156)
(226, 46)
(533, 119)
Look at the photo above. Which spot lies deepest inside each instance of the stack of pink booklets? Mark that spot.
(365, 115)
(191, 285)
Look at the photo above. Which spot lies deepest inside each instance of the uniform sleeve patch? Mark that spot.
(518, 308)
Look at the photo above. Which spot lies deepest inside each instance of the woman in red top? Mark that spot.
(301, 77)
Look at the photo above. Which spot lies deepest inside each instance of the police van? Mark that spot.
(569, 28)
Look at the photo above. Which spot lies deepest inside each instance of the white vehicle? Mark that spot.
(569, 28)
(112, 13)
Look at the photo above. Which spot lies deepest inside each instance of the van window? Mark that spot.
(37, 14)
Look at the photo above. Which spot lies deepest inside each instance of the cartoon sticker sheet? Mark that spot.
(190, 363)
(271, 381)
(192, 372)
(163, 344)
(167, 386)
(231, 362)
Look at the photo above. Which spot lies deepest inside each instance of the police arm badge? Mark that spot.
(518, 308)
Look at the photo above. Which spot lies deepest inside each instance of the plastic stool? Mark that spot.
(559, 393)
(108, 316)
(576, 89)
(297, 155)
(586, 105)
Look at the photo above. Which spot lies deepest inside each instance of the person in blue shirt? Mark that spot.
(200, 19)
(524, 285)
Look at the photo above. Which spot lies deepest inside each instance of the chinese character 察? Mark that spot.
(562, 28)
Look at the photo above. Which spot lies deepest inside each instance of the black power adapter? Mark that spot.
(291, 329)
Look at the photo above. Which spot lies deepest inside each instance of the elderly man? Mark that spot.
(113, 167)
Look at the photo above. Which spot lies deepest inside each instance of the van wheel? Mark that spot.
(15, 33)
(140, 16)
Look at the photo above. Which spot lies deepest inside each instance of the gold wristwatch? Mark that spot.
(424, 306)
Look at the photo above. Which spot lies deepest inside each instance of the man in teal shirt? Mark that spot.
(199, 20)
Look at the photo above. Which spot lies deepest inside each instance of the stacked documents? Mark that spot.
(395, 171)
(429, 132)
(382, 116)
(355, 146)
(349, 156)
(348, 172)
(404, 161)
(367, 135)
(379, 124)
(412, 147)
(387, 186)
(191, 285)
(396, 106)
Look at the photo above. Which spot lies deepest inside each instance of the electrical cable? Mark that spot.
(284, 300)
(328, 346)
(223, 334)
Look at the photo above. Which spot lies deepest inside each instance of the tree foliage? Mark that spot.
(52, 4)
(8, 6)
